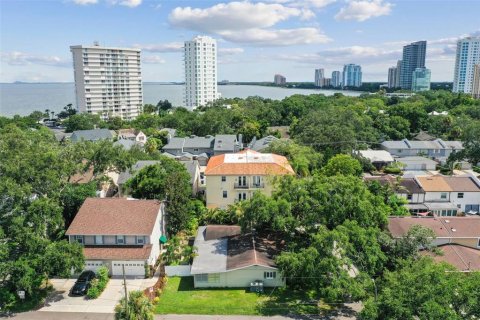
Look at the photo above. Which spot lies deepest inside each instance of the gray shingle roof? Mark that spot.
(435, 144)
(174, 144)
(199, 142)
(225, 142)
(124, 176)
(261, 144)
(91, 135)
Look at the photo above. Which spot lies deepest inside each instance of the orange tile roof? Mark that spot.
(434, 184)
(248, 162)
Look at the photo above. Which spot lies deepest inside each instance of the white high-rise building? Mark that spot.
(319, 76)
(200, 71)
(336, 79)
(468, 54)
(108, 81)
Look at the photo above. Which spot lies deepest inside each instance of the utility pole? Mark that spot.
(125, 287)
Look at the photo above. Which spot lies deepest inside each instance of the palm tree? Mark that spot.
(47, 113)
(139, 307)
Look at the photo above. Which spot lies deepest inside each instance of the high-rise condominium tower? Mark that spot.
(352, 75)
(468, 54)
(421, 79)
(336, 79)
(476, 82)
(319, 76)
(200, 71)
(394, 75)
(279, 80)
(108, 81)
(413, 58)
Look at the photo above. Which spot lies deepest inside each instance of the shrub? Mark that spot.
(99, 284)
(156, 300)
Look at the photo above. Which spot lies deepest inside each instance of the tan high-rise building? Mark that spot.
(108, 81)
(476, 82)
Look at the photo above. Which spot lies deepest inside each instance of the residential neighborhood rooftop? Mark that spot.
(377, 155)
(92, 135)
(248, 162)
(118, 252)
(439, 183)
(444, 227)
(461, 257)
(115, 216)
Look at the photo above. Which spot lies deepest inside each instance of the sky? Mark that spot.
(256, 39)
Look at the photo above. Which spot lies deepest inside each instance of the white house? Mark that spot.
(133, 135)
(445, 195)
(118, 232)
(226, 258)
(417, 163)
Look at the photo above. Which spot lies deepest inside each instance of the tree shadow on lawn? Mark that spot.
(299, 304)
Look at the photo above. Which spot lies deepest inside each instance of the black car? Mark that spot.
(82, 284)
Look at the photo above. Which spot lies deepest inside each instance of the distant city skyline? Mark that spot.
(256, 39)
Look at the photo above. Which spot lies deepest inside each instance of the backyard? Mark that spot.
(179, 297)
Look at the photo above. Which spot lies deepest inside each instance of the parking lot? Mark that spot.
(59, 301)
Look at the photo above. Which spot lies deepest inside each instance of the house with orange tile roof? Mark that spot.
(119, 232)
(236, 177)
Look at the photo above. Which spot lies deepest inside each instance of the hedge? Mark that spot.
(99, 284)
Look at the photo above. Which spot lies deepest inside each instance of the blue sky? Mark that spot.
(256, 39)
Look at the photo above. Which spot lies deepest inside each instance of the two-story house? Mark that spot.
(92, 135)
(119, 232)
(133, 135)
(208, 145)
(458, 238)
(437, 149)
(446, 195)
(236, 176)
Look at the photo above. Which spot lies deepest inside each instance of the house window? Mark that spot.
(120, 239)
(409, 197)
(443, 195)
(478, 244)
(225, 194)
(141, 240)
(224, 178)
(213, 278)
(98, 239)
(269, 275)
(460, 195)
(242, 181)
(201, 277)
(79, 239)
(256, 181)
(242, 196)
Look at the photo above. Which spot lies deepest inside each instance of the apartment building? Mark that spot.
(108, 81)
(467, 56)
(237, 176)
(436, 149)
(200, 71)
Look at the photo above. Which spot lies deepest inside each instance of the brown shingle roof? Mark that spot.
(434, 184)
(115, 216)
(410, 186)
(456, 227)
(463, 258)
(462, 184)
(399, 226)
(244, 251)
(123, 253)
(220, 231)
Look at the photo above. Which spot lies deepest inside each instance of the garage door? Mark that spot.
(132, 268)
(93, 265)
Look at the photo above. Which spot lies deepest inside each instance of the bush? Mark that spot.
(99, 284)
(393, 170)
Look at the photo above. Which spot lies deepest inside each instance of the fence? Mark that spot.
(179, 271)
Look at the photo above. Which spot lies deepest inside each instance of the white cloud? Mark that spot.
(362, 10)
(85, 2)
(233, 16)
(127, 3)
(153, 60)
(163, 47)
(229, 51)
(318, 3)
(281, 37)
(17, 58)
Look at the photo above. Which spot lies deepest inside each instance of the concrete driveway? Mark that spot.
(59, 301)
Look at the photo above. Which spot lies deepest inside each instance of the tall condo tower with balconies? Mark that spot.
(413, 57)
(468, 55)
(108, 81)
(200, 71)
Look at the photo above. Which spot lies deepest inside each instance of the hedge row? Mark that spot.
(99, 284)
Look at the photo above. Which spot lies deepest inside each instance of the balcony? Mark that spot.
(248, 185)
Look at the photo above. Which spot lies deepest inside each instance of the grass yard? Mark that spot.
(179, 297)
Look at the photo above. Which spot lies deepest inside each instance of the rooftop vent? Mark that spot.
(454, 230)
(447, 221)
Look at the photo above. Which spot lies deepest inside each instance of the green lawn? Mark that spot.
(179, 297)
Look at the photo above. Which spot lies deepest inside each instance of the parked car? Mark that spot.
(82, 284)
